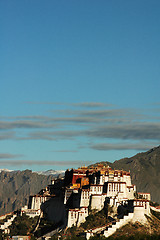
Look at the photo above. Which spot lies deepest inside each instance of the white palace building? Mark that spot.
(89, 188)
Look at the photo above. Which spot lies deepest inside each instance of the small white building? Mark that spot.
(144, 196)
(30, 212)
(77, 216)
(37, 200)
(141, 208)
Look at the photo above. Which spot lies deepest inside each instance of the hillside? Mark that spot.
(145, 171)
(137, 231)
(16, 187)
(130, 231)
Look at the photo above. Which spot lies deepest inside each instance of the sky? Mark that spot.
(80, 82)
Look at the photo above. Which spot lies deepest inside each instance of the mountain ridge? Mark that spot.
(145, 171)
(16, 186)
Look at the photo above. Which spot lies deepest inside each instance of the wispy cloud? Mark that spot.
(122, 146)
(105, 113)
(27, 124)
(8, 155)
(132, 131)
(92, 124)
(7, 135)
(44, 163)
(53, 135)
(92, 104)
(82, 104)
(65, 151)
(45, 103)
(111, 113)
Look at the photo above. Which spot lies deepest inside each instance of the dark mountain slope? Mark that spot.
(145, 171)
(16, 187)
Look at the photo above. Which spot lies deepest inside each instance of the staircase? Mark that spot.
(112, 229)
(6, 224)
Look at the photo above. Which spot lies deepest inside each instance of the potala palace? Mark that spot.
(70, 199)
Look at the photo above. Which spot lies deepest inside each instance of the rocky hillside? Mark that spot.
(137, 231)
(16, 187)
(145, 171)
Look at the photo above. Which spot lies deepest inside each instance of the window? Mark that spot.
(82, 195)
(103, 179)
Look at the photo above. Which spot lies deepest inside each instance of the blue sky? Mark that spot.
(79, 81)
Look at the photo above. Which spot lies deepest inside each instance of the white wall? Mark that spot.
(37, 201)
(130, 192)
(97, 202)
(141, 208)
(85, 198)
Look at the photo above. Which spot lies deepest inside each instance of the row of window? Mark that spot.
(75, 215)
(99, 189)
(41, 199)
(116, 187)
(138, 203)
(85, 195)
